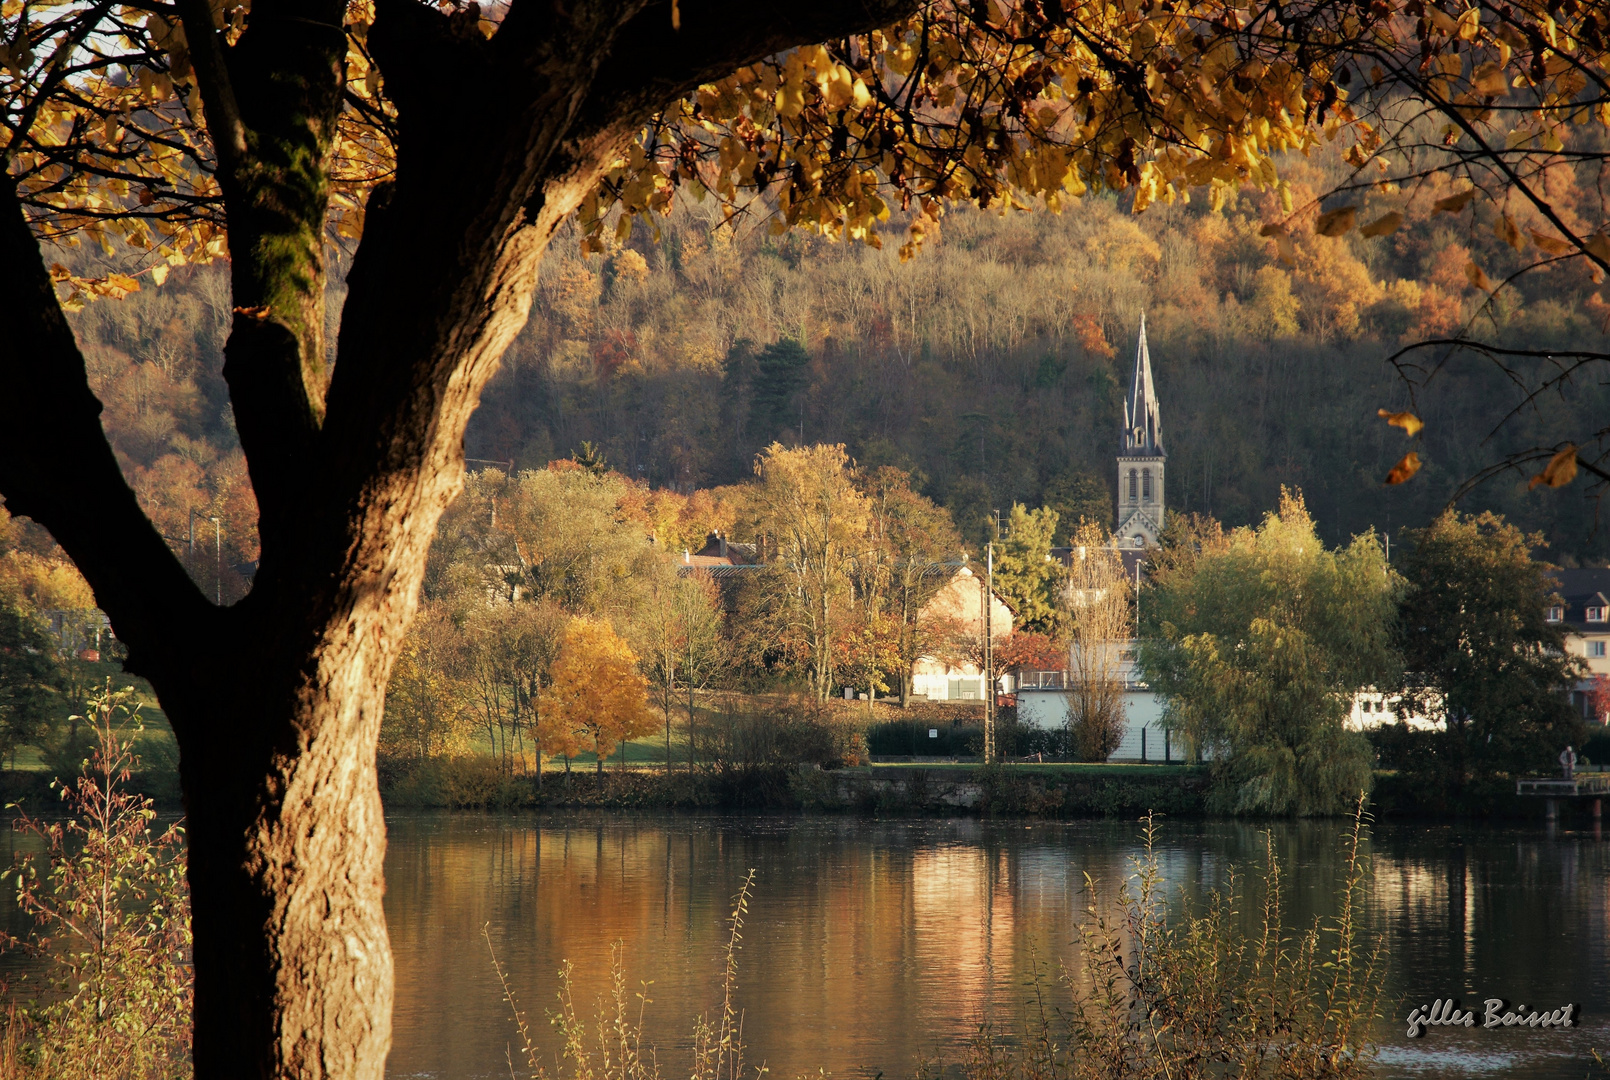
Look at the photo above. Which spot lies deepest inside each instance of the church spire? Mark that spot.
(1142, 422)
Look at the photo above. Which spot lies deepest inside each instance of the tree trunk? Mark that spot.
(351, 466)
(286, 843)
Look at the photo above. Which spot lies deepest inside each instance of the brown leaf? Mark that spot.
(1453, 203)
(1551, 244)
(1410, 423)
(1407, 467)
(1336, 222)
(1560, 470)
(1506, 230)
(1274, 228)
(1598, 245)
(1385, 225)
(1474, 275)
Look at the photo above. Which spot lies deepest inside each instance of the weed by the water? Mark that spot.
(614, 1048)
(1198, 996)
(112, 926)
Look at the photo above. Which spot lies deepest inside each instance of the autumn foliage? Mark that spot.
(596, 697)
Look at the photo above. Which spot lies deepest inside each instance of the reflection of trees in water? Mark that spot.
(871, 943)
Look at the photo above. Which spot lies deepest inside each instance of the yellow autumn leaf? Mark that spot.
(1489, 79)
(1406, 467)
(1336, 222)
(1441, 19)
(1384, 225)
(159, 273)
(1560, 470)
(1598, 246)
(1410, 423)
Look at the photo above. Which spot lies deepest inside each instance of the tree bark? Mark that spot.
(276, 702)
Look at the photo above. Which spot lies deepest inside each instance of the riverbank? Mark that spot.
(1030, 790)
(1018, 789)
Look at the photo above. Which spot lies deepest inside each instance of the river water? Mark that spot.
(871, 946)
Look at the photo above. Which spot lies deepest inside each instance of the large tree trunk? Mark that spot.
(293, 968)
(276, 702)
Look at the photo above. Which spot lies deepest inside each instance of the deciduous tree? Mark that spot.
(597, 691)
(1100, 620)
(1258, 642)
(1474, 628)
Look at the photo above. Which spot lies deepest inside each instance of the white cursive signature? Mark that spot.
(1446, 1013)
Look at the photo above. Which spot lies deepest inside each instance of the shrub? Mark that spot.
(111, 919)
(1199, 996)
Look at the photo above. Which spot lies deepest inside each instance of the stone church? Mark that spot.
(1141, 458)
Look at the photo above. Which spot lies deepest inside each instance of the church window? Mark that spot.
(1146, 484)
(1131, 485)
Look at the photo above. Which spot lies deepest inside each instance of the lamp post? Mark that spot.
(989, 655)
(218, 562)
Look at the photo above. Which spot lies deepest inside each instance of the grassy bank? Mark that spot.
(1009, 790)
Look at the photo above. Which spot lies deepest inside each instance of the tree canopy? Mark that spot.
(1260, 637)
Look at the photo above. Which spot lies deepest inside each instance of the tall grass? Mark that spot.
(611, 1048)
(111, 924)
(1199, 996)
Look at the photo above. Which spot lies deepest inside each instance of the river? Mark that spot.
(873, 945)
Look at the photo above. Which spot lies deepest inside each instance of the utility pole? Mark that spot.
(218, 560)
(989, 655)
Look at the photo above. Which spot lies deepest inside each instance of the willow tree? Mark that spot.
(449, 145)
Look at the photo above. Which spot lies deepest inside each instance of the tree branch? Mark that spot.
(57, 467)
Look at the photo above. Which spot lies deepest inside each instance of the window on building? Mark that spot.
(1595, 614)
(1131, 485)
(1146, 484)
(1596, 649)
(1556, 614)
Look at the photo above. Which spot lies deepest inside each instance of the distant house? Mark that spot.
(1585, 618)
(958, 605)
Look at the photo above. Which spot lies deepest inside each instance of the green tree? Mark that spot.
(1078, 496)
(1258, 639)
(1475, 634)
(1026, 576)
(30, 677)
(779, 379)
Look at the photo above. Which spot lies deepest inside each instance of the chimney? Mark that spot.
(723, 540)
(685, 557)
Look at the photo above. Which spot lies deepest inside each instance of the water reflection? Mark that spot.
(872, 945)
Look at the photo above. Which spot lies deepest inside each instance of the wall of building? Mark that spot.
(1143, 740)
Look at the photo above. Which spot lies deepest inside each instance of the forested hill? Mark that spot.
(992, 366)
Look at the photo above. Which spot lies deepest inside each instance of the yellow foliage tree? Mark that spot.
(596, 693)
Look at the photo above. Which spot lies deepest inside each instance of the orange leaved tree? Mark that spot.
(595, 691)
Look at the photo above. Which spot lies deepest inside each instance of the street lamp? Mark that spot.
(218, 560)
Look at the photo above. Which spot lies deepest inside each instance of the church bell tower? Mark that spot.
(1140, 459)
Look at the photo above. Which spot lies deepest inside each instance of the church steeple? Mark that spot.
(1141, 459)
(1142, 422)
